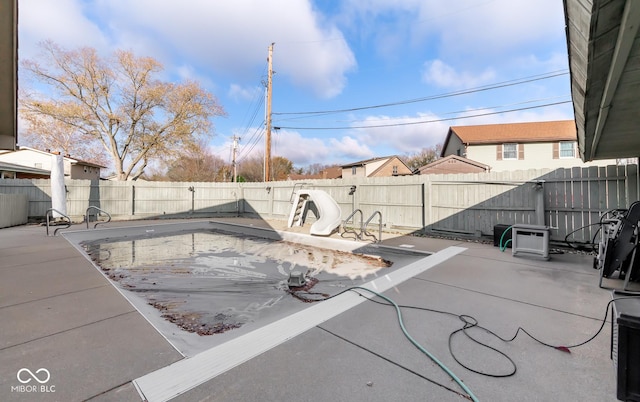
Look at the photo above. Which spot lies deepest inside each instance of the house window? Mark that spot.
(395, 170)
(509, 151)
(354, 169)
(567, 149)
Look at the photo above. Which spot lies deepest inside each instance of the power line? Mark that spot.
(425, 121)
(257, 106)
(250, 117)
(455, 112)
(489, 87)
(246, 151)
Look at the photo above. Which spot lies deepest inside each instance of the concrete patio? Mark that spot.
(58, 312)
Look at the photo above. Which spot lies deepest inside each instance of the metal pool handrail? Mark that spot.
(68, 223)
(358, 235)
(364, 227)
(86, 216)
(293, 191)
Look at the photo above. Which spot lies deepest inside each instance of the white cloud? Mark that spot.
(303, 151)
(438, 73)
(404, 134)
(500, 26)
(564, 112)
(232, 38)
(239, 93)
(348, 148)
(555, 61)
(61, 21)
(187, 72)
(461, 28)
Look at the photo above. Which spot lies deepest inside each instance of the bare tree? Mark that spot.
(252, 169)
(280, 168)
(317, 168)
(118, 103)
(50, 134)
(423, 157)
(197, 163)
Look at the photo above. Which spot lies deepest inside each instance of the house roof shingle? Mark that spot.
(334, 172)
(366, 161)
(560, 130)
(457, 158)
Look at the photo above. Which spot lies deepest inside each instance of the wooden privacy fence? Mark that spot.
(565, 199)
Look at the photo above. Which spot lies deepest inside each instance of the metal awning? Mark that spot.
(604, 59)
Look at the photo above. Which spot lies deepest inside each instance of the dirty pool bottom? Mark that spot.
(210, 281)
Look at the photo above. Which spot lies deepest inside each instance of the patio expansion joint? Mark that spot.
(56, 295)
(48, 262)
(599, 319)
(68, 330)
(107, 391)
(392, 362)
(526, 263)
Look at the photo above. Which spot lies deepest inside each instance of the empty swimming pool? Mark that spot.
(201, 283)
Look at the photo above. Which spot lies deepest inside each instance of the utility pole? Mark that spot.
(267, 151)
(234, 164)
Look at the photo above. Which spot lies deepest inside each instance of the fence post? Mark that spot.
(133, 200)
(428, 210)
(424, 222)
(539, 190)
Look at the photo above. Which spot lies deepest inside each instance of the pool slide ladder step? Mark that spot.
(297, 217)
(298, 214)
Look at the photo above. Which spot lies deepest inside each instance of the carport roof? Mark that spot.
(10, 167)
(604, 60)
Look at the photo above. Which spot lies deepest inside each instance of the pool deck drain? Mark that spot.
(173, 380)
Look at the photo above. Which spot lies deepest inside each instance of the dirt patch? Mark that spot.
(193, 321)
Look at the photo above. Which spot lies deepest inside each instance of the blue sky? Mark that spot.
(335, 56)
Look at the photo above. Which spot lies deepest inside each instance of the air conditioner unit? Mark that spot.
(530, 239)
(625, 346)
